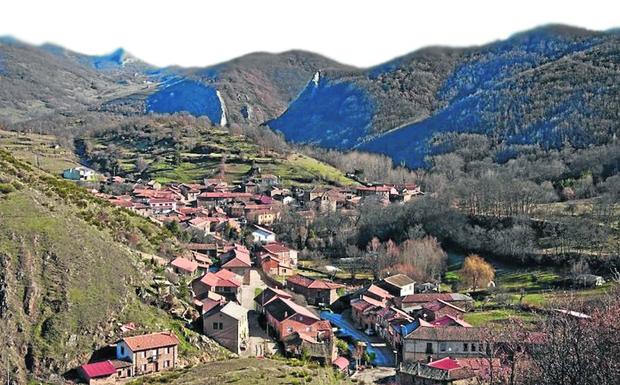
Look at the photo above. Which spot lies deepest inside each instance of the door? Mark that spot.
(156, 366)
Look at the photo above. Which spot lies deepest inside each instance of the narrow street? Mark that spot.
(259, 342)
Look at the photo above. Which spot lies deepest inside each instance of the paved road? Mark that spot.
(259, 343)
(248, 291)
(384, 356)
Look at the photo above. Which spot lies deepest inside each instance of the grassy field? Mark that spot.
(526, 289)
(73, 275)
(38, 150)
(214, 151)
(484, 317)
(249, 371)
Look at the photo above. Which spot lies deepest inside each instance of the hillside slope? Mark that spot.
(186, 150)
(38, 81)
(68, 277)
(247, 90)
(548, 86)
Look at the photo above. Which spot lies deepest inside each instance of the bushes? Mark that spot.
(6, 188)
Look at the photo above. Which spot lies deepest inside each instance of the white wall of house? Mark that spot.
(417, 349)
(407, 289)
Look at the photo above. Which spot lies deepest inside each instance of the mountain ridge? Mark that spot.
(434, 89)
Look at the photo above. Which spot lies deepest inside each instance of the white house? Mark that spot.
(79, 173)
(261, 234)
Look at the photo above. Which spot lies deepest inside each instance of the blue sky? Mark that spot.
(362, 33)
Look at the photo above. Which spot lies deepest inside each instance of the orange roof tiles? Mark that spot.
(151, 341)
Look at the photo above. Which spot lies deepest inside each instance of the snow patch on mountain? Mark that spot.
(223, 120)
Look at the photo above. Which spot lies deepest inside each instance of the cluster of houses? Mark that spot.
(434, 344)
(216, 206)
(221, 275)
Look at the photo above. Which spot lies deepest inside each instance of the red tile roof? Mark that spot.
(222, 278)
(241, 260)
(360, 305)
(98, 369)
(184, 264)
(341, 363)
(224, 195)
(439, 304)
(209, 304)
(276, 248)
(311, 283)
(446, 363)
(428, 297)
(448, 320)
(376, 290)
(151, 341)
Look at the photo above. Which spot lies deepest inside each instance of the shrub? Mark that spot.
(6, 188)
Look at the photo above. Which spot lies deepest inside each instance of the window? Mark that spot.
(221, 326)
(122, 350)
(168, 350)
(480, 347)
(442, 346)
(215, 325)
(154, 352)
(144, 367)
(429, 347)
(473, 347)
(166, 364)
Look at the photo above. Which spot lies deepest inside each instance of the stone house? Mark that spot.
(423, 340)
(184, 266)
(446, 371)
(398, 285)
(148, 353)
(227, 323)
(274, 266)
(282, 252)
(316, 291)
(223, 282)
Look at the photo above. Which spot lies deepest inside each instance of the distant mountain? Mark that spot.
(546, 87)
(37, 81)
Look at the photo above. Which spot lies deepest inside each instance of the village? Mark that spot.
(252, 295)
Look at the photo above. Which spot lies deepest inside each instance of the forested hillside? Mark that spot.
(546, 87)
